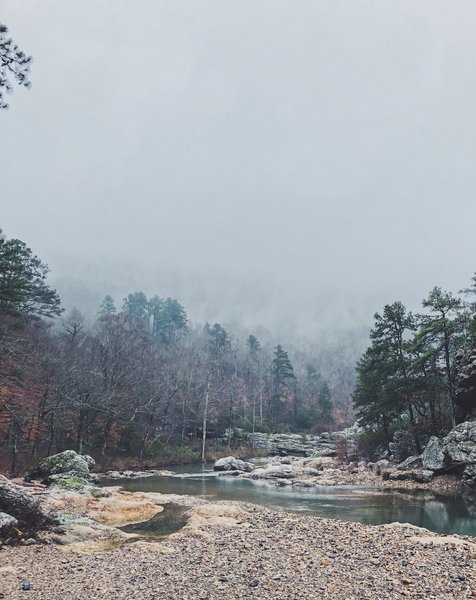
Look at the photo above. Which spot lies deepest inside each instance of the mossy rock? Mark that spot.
(71, 483)
(68, 461)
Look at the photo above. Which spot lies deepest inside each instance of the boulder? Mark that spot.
(380, 466)
(230, 463)
(460, 445)
(68, 461)
(7, 523)
(410, 463)
(469, 477)
(19, 503)
(320, 462)
(71, 482)
(433, 456)
(273, 472)
(417, 475)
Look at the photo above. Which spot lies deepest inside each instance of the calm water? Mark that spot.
(445, 514)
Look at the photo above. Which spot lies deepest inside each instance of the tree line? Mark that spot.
(409, 378)
(139, 379)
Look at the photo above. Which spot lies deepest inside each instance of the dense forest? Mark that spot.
(137, 381)
(417, 375)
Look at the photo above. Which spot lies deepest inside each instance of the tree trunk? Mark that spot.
(205, 415)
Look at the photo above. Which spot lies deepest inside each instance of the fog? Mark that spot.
(290, 164)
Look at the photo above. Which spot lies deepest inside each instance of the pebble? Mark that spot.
(269, 556)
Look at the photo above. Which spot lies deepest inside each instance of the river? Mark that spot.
(444, 514)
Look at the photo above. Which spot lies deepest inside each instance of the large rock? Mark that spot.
(380, 466)
(460, 445)
(19, 503)
(469, 477)
(293, 444)
(68, 461)
(230, 463)
(417, 475)
(7, 523)
(410, 463)
(274, 472)
(433, 456)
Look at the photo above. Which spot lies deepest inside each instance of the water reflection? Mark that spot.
(444, 514)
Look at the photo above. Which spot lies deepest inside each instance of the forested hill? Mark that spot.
(139, 381)
(419, 373)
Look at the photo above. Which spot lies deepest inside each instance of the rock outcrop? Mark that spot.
(455, 453)
(292, 444)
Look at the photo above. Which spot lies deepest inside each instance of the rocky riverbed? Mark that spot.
(218, 549)
(234, 550)
(329, 471)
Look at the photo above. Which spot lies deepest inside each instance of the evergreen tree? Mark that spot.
(23, 287)
(283, 373)
(253, 345)
(442, 332)
(384, 383)
(14, 63)
(325, 404)
(172, 319)
(107, 306)
(136, 305)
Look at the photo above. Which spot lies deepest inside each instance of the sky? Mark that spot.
(293, 164)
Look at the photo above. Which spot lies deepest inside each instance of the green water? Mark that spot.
(170, 520)
(444, 514)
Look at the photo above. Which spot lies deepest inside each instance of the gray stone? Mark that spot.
(65, 462)
(380, 466)
(460, 445)
(19, 503)
(433, 456)
(230, 463)
(7, 523)
(469, 477)
(418, 475)
(410, 463)
(273, 472)
(293, 444)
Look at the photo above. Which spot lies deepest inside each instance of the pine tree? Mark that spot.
(136, 305)
(325, 404)
(14, 63)
(283, 373)
(107, 306)
(443, 331)
(23, 287)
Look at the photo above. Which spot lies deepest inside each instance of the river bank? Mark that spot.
(233, 550)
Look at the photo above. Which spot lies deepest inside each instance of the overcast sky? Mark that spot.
(268, 161)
